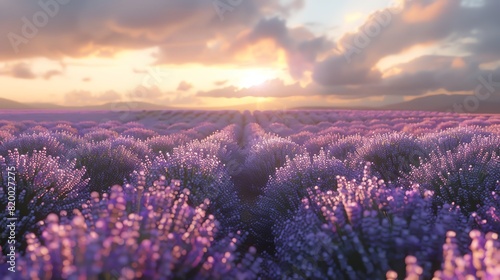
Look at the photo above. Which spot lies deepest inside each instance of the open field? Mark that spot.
(239, 195)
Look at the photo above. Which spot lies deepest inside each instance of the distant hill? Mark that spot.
(112, 106)
(444, 103)
(440, 103)
(123, 106)
(9, 104)
(334, 108)
(48, 106)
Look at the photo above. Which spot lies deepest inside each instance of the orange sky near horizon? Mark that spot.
(275, 53)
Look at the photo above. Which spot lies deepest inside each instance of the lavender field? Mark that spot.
(294, 194)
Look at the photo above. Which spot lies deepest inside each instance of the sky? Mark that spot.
(259, 53)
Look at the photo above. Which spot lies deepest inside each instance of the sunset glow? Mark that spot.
(212, 58)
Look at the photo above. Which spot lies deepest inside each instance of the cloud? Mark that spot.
(83, 98)
(448, 74)
(184, 31)
(190, 31)
(19, 71)
(24, 70)
(181, 28)
(145, 93)
(51, 73)
(472, 32)
(184, 86)
(220, 83)
(301, 46)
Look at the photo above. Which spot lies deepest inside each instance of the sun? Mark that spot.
(253, 79)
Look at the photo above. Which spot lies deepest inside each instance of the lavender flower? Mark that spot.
(99, 134)
(66, 128)
(483, 261)
(161, 237)
(85, 124)
(106, 165)
(362, 231)
(264, 157)
(139, 133)
(205, 176)
(466, 177)
(44, 184)
(166, 143)
(392, 155)
(316, 143)
(346, 147)
(4, 136)
(27, 143)
(283, 193)
(37, 129)
(450, 139)
(138, 147)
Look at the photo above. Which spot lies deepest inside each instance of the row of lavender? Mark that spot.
(316, 195)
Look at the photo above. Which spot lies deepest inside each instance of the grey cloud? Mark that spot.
(220, 83)
(19, 71)
(184, 86)
(352, 69)
(51, 73)
(79, 28)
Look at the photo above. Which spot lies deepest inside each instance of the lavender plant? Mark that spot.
(161, 237)
(36, 129)
(487, 216)
(392, 154)
(362, 231)
(450, 139)
(346, 147)
(140, 133)
(206, 178)
(136, 146)
(44, 184)
(68, 140)
(4, 136)
(482, 262)
(99, 134)
(283, 193)
(316, 143)
(264, 157)
(166, 143)
(105, 165)
(27, 143)
(466, 177)
(65, 128)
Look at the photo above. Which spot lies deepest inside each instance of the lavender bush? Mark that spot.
(483, 261)
(140, 133)
(160, 237)
(166, 143)
(283, 193)
(450, 139)
(100, 134)
(466, 177)
(362, 231)
(204, 175)
(44, 184)
(392, 154)
(264, 157)
(27, 143)
(346, 147)
(105, 165)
